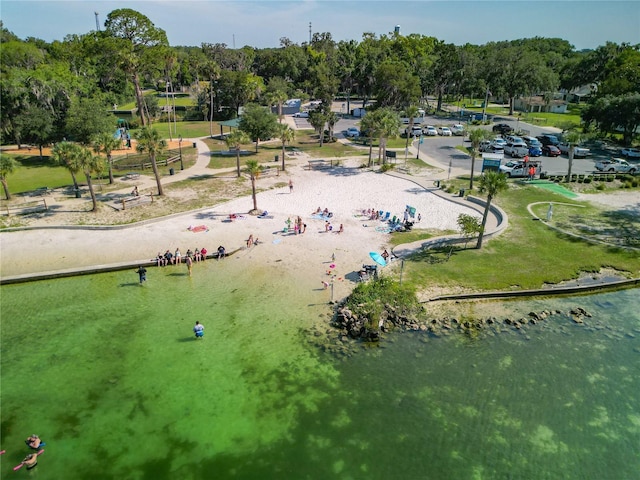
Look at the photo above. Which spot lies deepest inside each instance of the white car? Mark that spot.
(499, 141)
(631, 152)
(430, 131)
(457, 129)
(352, 132)
(445, 131)
(578, 152)
(616, 165)
(301, 114)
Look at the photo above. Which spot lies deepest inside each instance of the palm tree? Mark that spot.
(89, 164)
(332, 119)
(476, 136)
(105, 143)
(412, 113)
(286, 134)
(573, 139)
(491, 183)
(149, 141)
(369, 125)
(64, 154)
(253, 168)
(234, 140)
(318, 119)
(389, 123)
(7, 166)
(278, 97)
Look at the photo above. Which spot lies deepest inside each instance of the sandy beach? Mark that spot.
(345, 191)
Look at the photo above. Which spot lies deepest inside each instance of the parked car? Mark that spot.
(301, 114)
(430, 131)
(631, 152)
(502, 128)
(490, 147)
(457, 129)
(444, 131)
(550, 151)
(535, 151)
(532, 142)
(548, 139)
(352, 132)
(416, 131)
(499, 141)
(514, 139)
(578, 152)
(617, 165)
(516, 149)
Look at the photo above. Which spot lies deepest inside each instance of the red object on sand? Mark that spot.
(199, 228)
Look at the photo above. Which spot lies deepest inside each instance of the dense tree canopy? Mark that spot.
(132, 54)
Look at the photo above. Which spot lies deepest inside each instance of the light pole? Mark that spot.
(419, 143)
(180, 147)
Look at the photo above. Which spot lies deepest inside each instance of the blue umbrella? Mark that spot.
(377, 258)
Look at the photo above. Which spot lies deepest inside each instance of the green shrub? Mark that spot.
(386, 167)
(600, 186)
(588, 180)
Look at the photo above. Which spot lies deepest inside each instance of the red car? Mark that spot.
(550, 151)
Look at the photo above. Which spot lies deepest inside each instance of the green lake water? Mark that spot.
(108, 373)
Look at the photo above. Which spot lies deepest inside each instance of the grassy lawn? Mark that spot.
(33, 172)
(306, 141)
(186, 129)
(530, 254)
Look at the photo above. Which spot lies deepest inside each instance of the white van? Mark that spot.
(516, 149)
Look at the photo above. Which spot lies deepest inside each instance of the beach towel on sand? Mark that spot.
(198, 228)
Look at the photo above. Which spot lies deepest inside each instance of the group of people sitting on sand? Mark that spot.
(252, 241)
(199, 254)
(372, 213)
(325, 213)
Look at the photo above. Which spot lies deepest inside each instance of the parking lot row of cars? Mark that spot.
(431, 131)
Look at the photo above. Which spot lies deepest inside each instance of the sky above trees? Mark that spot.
(585, 24)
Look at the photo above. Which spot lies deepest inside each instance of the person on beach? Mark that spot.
(419, 218)
(250, 240)
(341, 229)
(160, 260)
(169, 257)
(177, 256)
(304, 227)
(142, 273)
(135, 192)
(385, 255)
(290, 186)
(197, 256)
(327, 225)
(203, 252)
(198, 330)
(221, 252)
(189, 263)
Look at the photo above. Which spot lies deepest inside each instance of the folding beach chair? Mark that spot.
(386, 216)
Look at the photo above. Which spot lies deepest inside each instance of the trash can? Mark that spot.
(194, 144)
(172, 172)
(461, 193)
(78, 193)
(276, 158)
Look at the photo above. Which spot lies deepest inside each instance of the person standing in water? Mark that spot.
(198, 329)
(189, 263)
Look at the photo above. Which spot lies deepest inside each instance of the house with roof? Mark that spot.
(538, 103)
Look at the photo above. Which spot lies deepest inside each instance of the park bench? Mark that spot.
(35, 206)
(131, 176)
